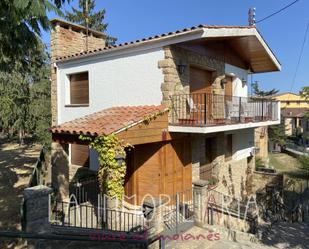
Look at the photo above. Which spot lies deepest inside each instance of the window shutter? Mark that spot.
(80, 155)
(79, 88)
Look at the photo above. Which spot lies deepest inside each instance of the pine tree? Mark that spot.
(21, 22)
(261, 93)
(25, 99)
(95, 19)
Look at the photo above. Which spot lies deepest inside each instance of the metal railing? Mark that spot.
(203, 109)
(36, 178)
(231, 205)
(85, 190)
(85, 215)
(178, 210)
(39, 169)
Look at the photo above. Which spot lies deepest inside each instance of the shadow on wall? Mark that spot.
(60, 170)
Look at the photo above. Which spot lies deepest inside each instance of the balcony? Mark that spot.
(211, 110)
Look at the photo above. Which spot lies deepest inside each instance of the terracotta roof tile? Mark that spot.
(151, 38)
(108, 120)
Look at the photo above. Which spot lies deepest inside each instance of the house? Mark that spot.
(293, 107)
(180, 98)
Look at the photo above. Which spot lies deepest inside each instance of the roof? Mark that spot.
(294, 112)
(151, 38)
(65, 23)
(285, 93)
(107, 121)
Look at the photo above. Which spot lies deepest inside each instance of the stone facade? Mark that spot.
(261, 143)
(235, 178)
(60, 170)
(64, 173)
(67, 40)
(174, 83)
(262, 179)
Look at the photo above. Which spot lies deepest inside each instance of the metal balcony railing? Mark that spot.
(203, 109)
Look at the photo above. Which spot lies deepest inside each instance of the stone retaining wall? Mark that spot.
(262, 179)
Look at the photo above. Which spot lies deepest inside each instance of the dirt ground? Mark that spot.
(16, 165)
(283, 162)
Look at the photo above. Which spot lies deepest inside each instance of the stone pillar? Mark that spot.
(37, 208)
(36, 212)
(200, 195)
(60, 170)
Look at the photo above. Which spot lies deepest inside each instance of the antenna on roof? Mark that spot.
(87, 23)
(251, 16)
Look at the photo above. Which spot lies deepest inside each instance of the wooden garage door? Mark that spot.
(178, 170)
(148, 164)
(161, 168)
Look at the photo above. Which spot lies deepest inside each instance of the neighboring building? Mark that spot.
(292, 100)
(192, 85)
(293, 120)
(293, 109)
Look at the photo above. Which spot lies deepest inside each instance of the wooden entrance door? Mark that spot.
(228, 88)
(200, 84)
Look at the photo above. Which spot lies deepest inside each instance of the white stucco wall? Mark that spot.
(243, 143)
(130, 79)
(239, 89)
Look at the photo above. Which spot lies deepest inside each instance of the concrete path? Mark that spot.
(281, 236)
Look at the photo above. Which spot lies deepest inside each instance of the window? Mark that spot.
(80, 155)
(228, 147)
(288, 103)
(79, 89)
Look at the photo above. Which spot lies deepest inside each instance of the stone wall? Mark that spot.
(235, 178)
(68, 40)
(261, 142)
(60, 170)
(63, 173)
(288, 126)
(179, 84)
(262, 179)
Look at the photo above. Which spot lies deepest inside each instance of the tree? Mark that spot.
(95, 19)
(21, 22)
(304, 162)
(277, 135)
(305, 94)
(25, 99)
(260, 93)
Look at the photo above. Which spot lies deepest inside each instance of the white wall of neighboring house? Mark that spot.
(243, 143)
(239, 89)
(119, 80)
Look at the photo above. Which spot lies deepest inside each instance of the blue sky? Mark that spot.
(284, 32)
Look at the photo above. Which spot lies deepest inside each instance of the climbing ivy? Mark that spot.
(111, 174)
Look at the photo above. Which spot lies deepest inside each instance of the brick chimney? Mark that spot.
(67, 38)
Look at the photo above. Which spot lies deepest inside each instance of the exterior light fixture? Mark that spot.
(223, 82)
(181, 68)
(120, 158)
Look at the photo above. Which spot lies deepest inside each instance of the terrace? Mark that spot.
(212, 112)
